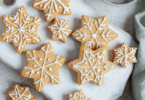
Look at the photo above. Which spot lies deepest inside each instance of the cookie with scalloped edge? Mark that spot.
(52, 7)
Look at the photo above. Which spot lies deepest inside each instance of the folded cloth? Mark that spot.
(138, 78)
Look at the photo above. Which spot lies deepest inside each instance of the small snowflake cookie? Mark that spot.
(20, 93)
(43, 66)
(52, 7)
(20, 29)
(60, 30)
(94, 33)
(79, 95)
(125, 55)
(91, 65)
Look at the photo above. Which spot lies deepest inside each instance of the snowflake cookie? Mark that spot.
(60, 30)
(125, 55)
(20, 93)
(43, 66)
(52, 7)
(20, 29)
(79, 95)
(91, 65)
(94, 33)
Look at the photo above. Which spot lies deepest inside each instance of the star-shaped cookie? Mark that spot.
(20, 93)
(124, 55)
(52, 7)
(60, 30)
(79, 95)
(20, 29)
(43, 66)
(91, 65)
(94, 33)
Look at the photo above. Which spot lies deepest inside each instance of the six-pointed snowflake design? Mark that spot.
(60, 30)
(94, 33)
(21, 93)
(53, 7)
(79, 95)
(20, 29)
(43, 66)
(91, 65)
(125, 55)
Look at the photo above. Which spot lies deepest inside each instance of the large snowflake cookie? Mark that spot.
(94, 33)
(60, 30)
(43, 66)
(79, 95)
(91, 65)
(20, 29)
(125, 55)
(53, 7)
(20, 93)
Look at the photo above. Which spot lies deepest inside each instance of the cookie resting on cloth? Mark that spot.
(52, 7)
(20, 93)
(79, 95)
(94, 33)
(124, 55)
(60, 29)
(91, 65)
(20, 29)
(43, 66)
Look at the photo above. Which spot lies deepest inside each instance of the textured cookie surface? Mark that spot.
(79, 95)
(53, 7)
(43, 66)
(60, 30)
(20, 29)
(125, 55)
(20, 93)
(94, 33)
(91, 65)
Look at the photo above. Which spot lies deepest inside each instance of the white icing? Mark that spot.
(60, 29)
(34, 65)
(85, 70)
(48, 59)
(98, 70)
(94, 41)
(19, 33)
(52, 3)
(44, 67)
(20, 95)
(37, 72)
(92, 68)
(45, 76)
(40, 58)
(50, 69)
(125, 55)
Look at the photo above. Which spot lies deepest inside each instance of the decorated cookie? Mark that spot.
(20, 93)
(43, 66)
(60, 30)
(20, 29)
(79, 95)
(91, 65)
(53, 7)
(125, 55)
(94, 33)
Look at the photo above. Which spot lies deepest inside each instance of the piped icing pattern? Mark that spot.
(79, 95)
(91, 65)
(20, 29)
(125, 55)
(43, 71)
(53, 7)
(20, 93)
(94, 33)
(60, 30)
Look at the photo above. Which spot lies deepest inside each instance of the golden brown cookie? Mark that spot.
(20, 93)
(20, 29)
(43, 66)
(94, 33)
(91, 65)
(79, 95)
(60, 30)
(52, 7)
(124, 55)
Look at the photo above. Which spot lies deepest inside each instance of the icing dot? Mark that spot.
(40, 58)
(59, 7)
(85, 70)
(34, 65)
(86, 63)
(93, 60)
(40, 5)
(98, 70)
(52, 10)
(37, 72)
(48, 59)
(99, 63)
(94, 36)
(48, 7)
(50, 69)
(45, 76)
(16, 96)
(91, 74)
